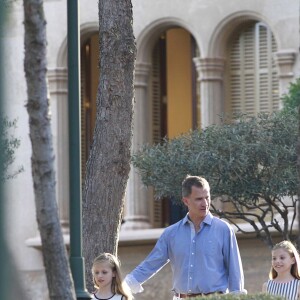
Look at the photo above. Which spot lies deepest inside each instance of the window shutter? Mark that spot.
(248, 57)
(242, 73)
(274, 82)
(156, 96)
(253, 75)
(236, 94)
(235, 77)
(156, 124)
(264, 65)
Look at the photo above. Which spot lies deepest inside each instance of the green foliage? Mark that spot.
(291, 100)
(260, 296)
(249, 162)
(245, 159)
(9, 146)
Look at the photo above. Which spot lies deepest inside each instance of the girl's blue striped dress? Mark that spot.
(288, 290)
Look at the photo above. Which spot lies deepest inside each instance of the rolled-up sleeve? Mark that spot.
(133, 284)
(157, 259)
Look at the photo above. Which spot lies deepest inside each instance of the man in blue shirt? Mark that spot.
(202, 250)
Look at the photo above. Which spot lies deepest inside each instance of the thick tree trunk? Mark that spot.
(109, 161)
(58, 273)
(298, 160)
(298, 169)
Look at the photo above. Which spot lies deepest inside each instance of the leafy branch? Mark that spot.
(249, 161)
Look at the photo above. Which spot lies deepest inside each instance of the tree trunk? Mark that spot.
(55, 257)
(109, 160)
(298, 161)
(298, 169)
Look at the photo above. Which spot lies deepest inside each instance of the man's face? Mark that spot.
(198, 202)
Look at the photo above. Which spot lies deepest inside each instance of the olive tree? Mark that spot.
(250, 163)
(291, 100)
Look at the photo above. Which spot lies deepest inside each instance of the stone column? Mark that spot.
(210, 79)
(58, 89)
(137, 196)
(285, 60)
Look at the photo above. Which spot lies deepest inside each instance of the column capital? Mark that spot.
(58, 80)
(210, 68)
(142, 71)
(285, 60)
(57, 74)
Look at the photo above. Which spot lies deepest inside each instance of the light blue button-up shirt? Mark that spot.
(202, 262)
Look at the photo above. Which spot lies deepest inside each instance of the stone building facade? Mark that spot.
(196, 60)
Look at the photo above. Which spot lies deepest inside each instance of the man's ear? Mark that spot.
(185, 201)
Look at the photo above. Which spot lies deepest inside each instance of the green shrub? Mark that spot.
(291, 100)
(260, 296)
(250, 163)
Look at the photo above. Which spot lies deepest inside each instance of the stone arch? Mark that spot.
(147, 38)
(137, 210)
(211, 67)
(86, 30)
(226, 27)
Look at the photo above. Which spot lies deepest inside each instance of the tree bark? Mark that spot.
(298, 169)
(298, 161)
(109, 160)
(55, 257)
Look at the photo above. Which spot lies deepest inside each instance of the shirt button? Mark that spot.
(193, 241)
(191, 265)
(192, 253)
(190, 277)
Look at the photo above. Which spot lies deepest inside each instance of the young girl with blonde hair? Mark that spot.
(107, 279)
(285, 273)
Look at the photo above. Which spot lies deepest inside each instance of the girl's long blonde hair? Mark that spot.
(118, 286)
(292, 251)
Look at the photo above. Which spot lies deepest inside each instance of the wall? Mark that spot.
(256, 258)
(207, 21)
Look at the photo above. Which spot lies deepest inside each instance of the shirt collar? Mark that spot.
(208, 219)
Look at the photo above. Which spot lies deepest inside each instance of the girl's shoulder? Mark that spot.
(291, 282)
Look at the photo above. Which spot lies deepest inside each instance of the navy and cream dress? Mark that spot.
(288, 290)
(113, 297)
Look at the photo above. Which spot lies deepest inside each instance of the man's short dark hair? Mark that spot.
(190, 181)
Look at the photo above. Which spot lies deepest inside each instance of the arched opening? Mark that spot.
(172, 92)
(175, 101)
(252, 84)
